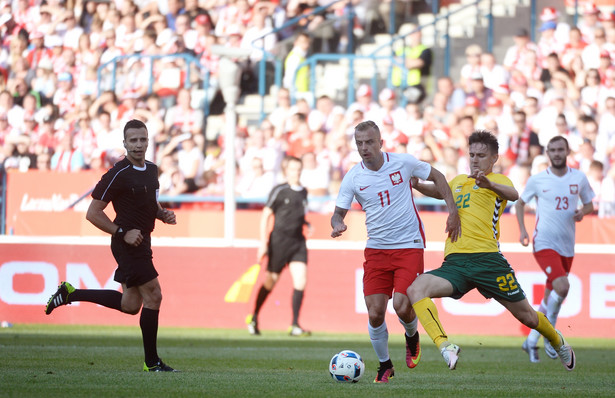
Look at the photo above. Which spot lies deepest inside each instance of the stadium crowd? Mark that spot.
(56, 115)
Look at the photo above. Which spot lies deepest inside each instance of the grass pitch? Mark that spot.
(86, 361)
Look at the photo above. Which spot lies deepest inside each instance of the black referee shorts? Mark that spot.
(283, 249)
(134, 264)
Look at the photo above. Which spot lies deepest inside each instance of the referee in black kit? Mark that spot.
(285, 244)
(132, 186)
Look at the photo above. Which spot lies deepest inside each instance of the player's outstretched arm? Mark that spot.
(506, 192)
(524, 238)
(426, 189)
(453, 223)
(337, 222)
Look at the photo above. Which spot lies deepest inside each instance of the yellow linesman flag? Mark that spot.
(241, 289)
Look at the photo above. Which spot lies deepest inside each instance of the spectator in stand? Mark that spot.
(186, 118)
(546, 118)
(605, 138)
(562, 86)
(573, 49)
(607, 72)
(128, 34)
(607, 201)
(591, 53)
(517, 54)
(259, 146)
(38, 50)
(67, 158)
(417, 58)
(315, 178)
(281, 114)
(548, 43)
(300, 138)
(494, 74)
(471, 67)
(14, 112)
(363, 102)
(68, 30)
(574, 139)
(190, 161)
(479, 91)
(455, 96)
(43, 161)
(437, 117)
(260, 29)
(388, 109)
(550, 67)
(562, 29)
(5, 128)
(530, 68)
(589, 23)
(324, 115)
(255, 183)
(595, 176)
(391, 136)
(170, 177)
(297, 80)
(414, 126)
(174, 9)
(17, 154)
(590, 93)
(523, 142)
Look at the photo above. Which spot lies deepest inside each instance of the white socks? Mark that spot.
(410, 327)
(380, 340)
(553, 307)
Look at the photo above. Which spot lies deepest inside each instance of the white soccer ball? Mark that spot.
(346, 367)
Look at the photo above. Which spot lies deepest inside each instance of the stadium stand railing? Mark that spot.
(107, 80)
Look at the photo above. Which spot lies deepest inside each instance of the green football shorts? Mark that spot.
(490, 273)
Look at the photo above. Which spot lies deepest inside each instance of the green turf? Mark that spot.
(70, 361)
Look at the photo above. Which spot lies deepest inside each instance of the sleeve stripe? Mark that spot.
(274, 195)
(102, 197)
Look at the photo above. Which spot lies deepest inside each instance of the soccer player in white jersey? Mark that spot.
(396, 237)
(557, 191)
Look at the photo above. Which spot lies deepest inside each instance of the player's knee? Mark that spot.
(561, 286)
(131, 308)
(529, 319)
(415, 292)
(376, 320)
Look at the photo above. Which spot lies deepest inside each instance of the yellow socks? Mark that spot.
(548, 331)
(428, 315)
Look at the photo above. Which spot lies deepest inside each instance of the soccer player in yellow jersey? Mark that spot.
(474, 260)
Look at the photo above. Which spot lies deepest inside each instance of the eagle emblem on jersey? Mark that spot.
(396, 178)
(574, 189)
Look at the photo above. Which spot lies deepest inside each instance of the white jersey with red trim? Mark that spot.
(392, 219)
(557, 199)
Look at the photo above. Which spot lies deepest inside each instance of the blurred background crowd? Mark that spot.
(61, 110)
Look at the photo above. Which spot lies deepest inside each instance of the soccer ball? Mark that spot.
(346, 366)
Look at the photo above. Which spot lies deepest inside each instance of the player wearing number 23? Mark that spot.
(475, 260)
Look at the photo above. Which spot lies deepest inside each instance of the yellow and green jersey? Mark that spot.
(479, 210)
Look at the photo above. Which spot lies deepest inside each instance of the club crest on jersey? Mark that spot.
(574, 189)
(396, 178)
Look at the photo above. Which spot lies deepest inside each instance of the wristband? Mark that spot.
(119, 233)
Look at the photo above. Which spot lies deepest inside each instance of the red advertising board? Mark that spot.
(196, 280)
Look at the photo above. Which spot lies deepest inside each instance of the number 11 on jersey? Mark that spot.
(382, 196)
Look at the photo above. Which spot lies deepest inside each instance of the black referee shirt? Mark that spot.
(133, 192)
(288, 207)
